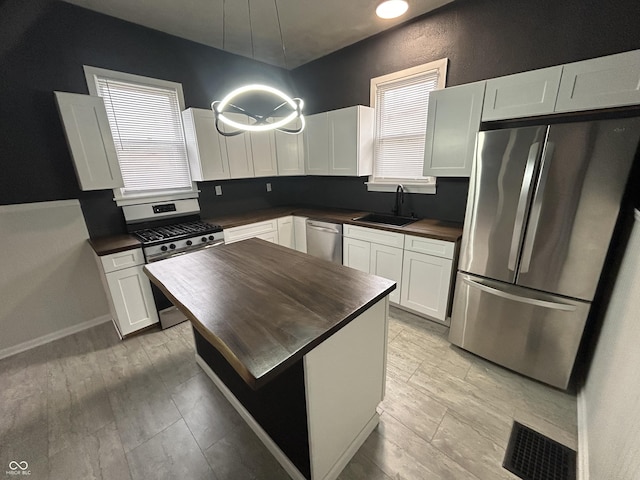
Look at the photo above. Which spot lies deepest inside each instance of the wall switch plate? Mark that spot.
(218, 190)
(268, 187)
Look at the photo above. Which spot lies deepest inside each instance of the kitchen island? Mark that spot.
(297, 345)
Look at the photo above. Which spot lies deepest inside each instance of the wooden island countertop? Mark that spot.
(263, 306)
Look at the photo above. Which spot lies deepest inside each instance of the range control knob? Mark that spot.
(204, 239)
(210, 237)
(164, 248)
(172, 246)
(189, 242)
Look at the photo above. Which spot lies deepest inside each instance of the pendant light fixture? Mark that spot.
(258, 122)
(391, 8)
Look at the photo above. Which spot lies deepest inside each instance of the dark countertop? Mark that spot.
(263, 306)
(113, 244)
(447, 231)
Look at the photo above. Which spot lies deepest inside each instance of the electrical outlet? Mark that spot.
(268, 187)
(218, 190)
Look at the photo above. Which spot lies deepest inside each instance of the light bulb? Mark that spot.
(392, 8)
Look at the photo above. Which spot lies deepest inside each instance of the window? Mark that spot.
(401, 102)
(146, 124)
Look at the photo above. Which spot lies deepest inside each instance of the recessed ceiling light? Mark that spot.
(392, 8)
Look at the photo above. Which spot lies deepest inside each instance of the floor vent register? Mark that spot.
(532, 456)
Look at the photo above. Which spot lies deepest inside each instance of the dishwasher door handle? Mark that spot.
(323, 229)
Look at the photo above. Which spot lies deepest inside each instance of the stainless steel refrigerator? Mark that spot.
(543, 204)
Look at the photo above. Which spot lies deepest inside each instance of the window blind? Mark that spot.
(401, 123)
(147, 131)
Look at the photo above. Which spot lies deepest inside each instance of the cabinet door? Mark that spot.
(132, 299)
(522, 95)
(206, 148)
(343, 137)
(300, 233)
(86, 127)
(285, 232)
(239, 150)
(316, 142)
(263, 149)
(386, 262)
(356, 254)
(610, 81)
(453, 121)
(269, 237)
(290, 153)
(425, 284)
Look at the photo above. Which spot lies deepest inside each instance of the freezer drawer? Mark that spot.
(533, 333)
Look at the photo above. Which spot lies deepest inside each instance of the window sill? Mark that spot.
(425, 188)
(152, 198)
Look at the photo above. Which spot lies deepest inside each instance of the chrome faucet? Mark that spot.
(399, 200)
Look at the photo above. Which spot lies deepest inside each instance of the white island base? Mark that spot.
(344, 381)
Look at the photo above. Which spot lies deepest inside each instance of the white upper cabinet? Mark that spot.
(239, 150)
(316, 142)
(351, 141)
(90, 141)
(263, 148)
(453, 121)
(603, 82)
(340, 142)
(522, 95)
(290, 152)
(206, 148)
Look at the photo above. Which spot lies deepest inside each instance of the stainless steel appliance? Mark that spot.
(543, 203)
(324, 240)
(168, 229)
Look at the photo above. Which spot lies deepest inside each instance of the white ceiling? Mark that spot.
(310, 28)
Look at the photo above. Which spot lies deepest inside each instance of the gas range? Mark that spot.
(161, 242)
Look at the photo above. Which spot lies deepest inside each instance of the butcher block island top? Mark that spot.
(264, 306)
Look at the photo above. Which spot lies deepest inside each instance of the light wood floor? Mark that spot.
(91, 406)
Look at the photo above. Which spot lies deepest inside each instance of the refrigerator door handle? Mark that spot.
(518, 298)
(522, 205)
(536, 208)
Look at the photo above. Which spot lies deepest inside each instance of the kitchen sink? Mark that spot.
(394, 220)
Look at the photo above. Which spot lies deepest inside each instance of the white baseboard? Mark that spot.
(264, 437)
(583, 439)
(36, 342)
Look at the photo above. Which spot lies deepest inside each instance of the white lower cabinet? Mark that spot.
(378, 252)
(286, 235)
(386, 262)
(300, 233)
(267, 230)
(128, 291)
(426, 278)
(356, 254)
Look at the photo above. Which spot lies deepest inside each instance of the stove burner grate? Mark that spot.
(178, 230)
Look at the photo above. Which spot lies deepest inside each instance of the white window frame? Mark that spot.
(120, 198)
(426, 184)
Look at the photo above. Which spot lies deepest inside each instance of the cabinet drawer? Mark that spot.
(382, 237)
(430, 246)
(236, 234)
(120, 260)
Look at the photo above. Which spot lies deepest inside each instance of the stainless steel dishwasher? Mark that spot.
(324, 240)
